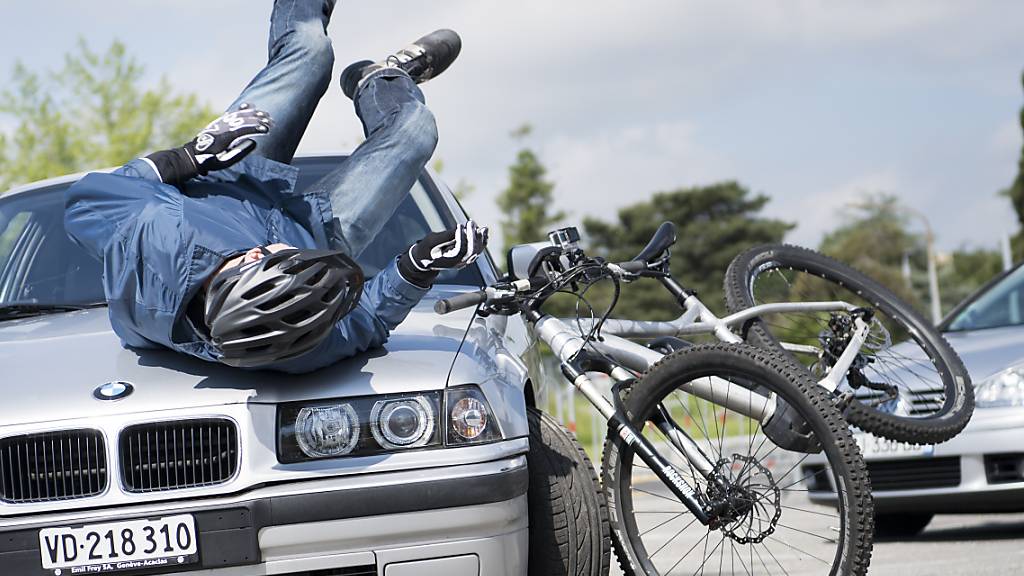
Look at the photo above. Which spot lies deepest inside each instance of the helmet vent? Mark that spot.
(297, 317)
(274, 302)
(258, 291)
(316, 278)
(332, 293)
(255, 330)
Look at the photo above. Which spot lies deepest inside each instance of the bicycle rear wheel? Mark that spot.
(777, 511)
(907, 382)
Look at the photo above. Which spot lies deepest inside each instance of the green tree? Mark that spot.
(92, 113)
(1016, 195)
(526, 203)
(715, 223)
(966, 270)
(874, 237)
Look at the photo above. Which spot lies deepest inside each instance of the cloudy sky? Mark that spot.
(812, 103)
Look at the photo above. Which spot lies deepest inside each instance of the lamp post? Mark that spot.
(933, 276)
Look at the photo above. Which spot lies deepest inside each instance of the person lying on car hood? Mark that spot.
(209, 250)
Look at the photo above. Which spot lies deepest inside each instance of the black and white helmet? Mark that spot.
(281, 306)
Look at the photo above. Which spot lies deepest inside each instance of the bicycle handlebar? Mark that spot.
(467, 300)
(633, 266)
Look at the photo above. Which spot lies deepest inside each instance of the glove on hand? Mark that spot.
(439, 251)
(220, 145)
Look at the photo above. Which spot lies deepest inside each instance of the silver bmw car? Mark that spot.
(406, 460)
(982, 469)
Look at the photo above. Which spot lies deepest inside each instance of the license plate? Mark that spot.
(875, 448)
(117, 546)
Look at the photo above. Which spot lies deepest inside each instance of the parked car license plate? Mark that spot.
(874, 448)
(117, 546)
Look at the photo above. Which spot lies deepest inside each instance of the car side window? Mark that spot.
(38, 262)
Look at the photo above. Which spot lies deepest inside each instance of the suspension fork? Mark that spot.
(575, 371)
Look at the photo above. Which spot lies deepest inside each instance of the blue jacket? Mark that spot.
(158, 246)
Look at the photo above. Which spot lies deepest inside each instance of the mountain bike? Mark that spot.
(702, 463)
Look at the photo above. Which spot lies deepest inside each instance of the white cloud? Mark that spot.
(821, 212)
(622, 165)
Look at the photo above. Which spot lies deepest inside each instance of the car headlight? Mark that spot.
(366, 425)
(1005, 388)
(470, 420)
(404, 423)
(357, 426)
(326, 431)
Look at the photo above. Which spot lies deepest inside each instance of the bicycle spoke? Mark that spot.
(706, 557)
(649, 530)
(790, 546)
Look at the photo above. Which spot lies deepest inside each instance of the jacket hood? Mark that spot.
(53, 363)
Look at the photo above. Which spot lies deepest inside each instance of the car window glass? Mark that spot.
(1001, 305)
(38, 262)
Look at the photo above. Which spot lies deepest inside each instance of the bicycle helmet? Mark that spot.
(280, 306)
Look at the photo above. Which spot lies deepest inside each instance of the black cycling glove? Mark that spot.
(221, 144)
(439, 251)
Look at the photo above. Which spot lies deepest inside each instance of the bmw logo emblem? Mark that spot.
(113, 390)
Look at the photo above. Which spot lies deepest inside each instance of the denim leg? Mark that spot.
(367, 188)
(296, 76)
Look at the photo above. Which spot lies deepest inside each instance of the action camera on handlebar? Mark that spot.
(546, 259)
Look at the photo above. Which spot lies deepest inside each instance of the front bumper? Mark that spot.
(992, 433)
(460, 520)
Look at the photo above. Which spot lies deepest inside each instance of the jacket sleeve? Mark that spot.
(385, 303)
(98, 204)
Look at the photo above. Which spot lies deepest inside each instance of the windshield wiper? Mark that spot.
(24, 309)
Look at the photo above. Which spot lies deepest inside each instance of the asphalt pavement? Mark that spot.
(952, 545)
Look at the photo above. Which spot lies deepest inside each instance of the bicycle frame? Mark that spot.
(570, 348)
(698, 319)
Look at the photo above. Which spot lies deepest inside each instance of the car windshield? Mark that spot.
(1002, 304)
(42, 269)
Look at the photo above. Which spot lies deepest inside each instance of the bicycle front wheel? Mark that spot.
(906, 382)
(775, 509)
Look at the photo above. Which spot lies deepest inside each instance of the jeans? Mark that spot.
(367, 187)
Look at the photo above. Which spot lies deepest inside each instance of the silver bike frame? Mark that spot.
(698, 319)
(565, 341)
(563, 336)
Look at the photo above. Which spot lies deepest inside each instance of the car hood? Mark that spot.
(53, 363)
(988, 351)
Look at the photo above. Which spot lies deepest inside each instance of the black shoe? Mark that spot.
(427, 57)
(422, 60)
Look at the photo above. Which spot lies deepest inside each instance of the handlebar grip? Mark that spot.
(467, 300)
(633, 266)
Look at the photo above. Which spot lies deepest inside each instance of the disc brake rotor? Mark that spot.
(747, 501)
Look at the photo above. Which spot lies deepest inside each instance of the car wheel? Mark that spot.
(901, 525)
(568, 516)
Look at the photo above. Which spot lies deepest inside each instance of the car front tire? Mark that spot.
(569, 533)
